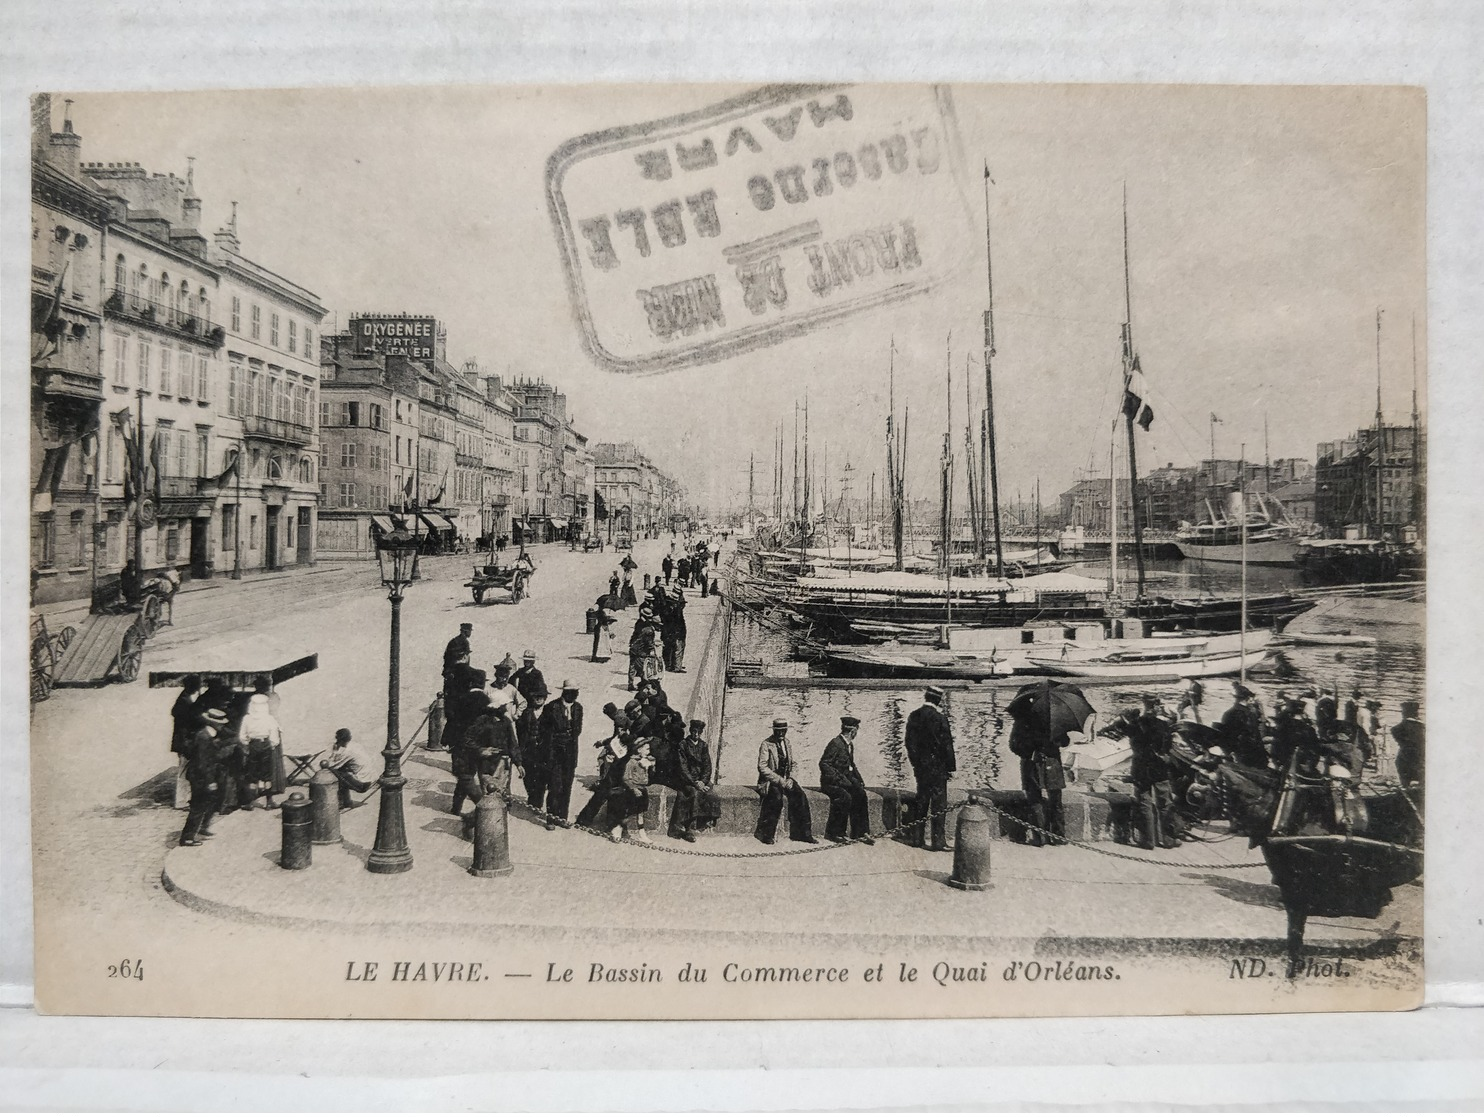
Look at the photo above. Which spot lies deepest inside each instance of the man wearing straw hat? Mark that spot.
(776, 785)
(929, 742)
(203, 769)
(560, 729)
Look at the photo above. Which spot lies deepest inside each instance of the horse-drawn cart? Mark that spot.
(492, 578)
(108, 646)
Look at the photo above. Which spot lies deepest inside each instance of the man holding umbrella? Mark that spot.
(929, 742)
(1045, 715)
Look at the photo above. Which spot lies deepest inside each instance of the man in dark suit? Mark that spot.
(528, 679)
(1410, 736)
(560, 729)
(776, 785)
(185, 719)
(457, 650)
(929, 743)
(841, 780)
(1150, 734)
(203, 770)
(696, 804)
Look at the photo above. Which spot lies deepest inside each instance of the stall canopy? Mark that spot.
(433, 522)
(383, 523)
(448, 524)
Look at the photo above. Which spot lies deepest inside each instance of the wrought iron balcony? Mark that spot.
(178, 320)
(277, 430)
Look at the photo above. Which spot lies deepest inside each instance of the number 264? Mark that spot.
(126, 969)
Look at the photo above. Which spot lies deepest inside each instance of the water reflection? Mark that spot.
(1390, 671)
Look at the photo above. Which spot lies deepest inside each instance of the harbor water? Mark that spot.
(1391, 671)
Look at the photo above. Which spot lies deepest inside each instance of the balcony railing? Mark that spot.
(153, 312)
(277, 430)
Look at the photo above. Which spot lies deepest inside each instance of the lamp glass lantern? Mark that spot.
(396, 555)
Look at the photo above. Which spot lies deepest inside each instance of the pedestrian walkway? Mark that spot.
(566, 879)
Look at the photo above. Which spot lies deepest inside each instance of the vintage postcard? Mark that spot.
(714, 552)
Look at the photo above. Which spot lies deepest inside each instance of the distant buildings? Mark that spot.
(1372, 484)
(636, 495)
(1172, 495)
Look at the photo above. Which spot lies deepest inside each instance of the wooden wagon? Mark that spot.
(491, 578)
(108, 646)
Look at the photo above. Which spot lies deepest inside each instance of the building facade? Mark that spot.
(67, 393)
(1371, 482)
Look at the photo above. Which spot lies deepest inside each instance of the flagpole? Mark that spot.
(139, 487)
(237, 521)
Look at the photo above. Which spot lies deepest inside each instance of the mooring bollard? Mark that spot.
(971, 848)
(592, 621)
(435, 723)
(298, 828)
(324, 798)
(492, 837)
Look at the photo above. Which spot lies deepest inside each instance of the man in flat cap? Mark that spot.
(456, 651)
(559, 729)
(1150, 732)
(841, 780)
(776, 785)
(929, 742)
(1241, 727)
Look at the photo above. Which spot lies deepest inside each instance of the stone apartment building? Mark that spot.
(636, 496)
(201, 444)
(1370, 483)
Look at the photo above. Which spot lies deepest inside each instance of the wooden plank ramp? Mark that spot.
(87, 660)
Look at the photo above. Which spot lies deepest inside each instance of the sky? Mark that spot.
(1266, 226)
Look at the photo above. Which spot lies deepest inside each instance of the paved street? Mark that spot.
(104, 832)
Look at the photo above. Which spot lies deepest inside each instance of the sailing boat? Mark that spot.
(1272, 539)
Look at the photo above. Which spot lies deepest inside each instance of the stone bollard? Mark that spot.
(298, 828)
(492, 837)
(971, 847)
(592, 621)
(324, 798)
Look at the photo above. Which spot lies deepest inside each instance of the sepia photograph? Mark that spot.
(664, 552)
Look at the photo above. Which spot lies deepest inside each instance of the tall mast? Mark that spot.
(751, 517)
(796, 461)
(989, 352)
(976, 507)
(947, 525)
(1130, 367)
(893, 458)
(1380, 436)
(1242, 640)
(1417, 516)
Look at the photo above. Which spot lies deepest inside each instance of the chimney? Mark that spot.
(190, 206)
(226, 236)
(66, 145)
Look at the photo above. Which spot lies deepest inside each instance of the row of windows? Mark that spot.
(251, 391)
(255, 328)
(177, 304)
(348, 495)
(349, 413)
(184, 372)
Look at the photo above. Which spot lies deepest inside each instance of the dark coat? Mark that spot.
(837, 766)
(185, 717)
(930, 744)
(1241, 734)
(204, 761)
(530, 682)
(1150, 738)
(528, 738)
(693, 762)
(456, 648)
(494, 732)
(1410, 736)
(560, 732)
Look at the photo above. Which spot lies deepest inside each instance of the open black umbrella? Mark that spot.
(1048, 711)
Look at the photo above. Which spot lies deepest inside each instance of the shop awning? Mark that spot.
(560, 525)
(383, 524)
(453, 527)
(429, 524)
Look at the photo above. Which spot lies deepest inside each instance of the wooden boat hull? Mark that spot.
(1147, 668)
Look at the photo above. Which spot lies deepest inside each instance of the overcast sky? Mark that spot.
(1266, 226)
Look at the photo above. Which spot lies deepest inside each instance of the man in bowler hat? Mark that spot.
(929, 743)
(776, 785)
(841, 780)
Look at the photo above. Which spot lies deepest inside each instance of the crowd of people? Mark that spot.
(229, 749)
(1307, 735)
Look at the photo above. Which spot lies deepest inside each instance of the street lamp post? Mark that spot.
(396, 554)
